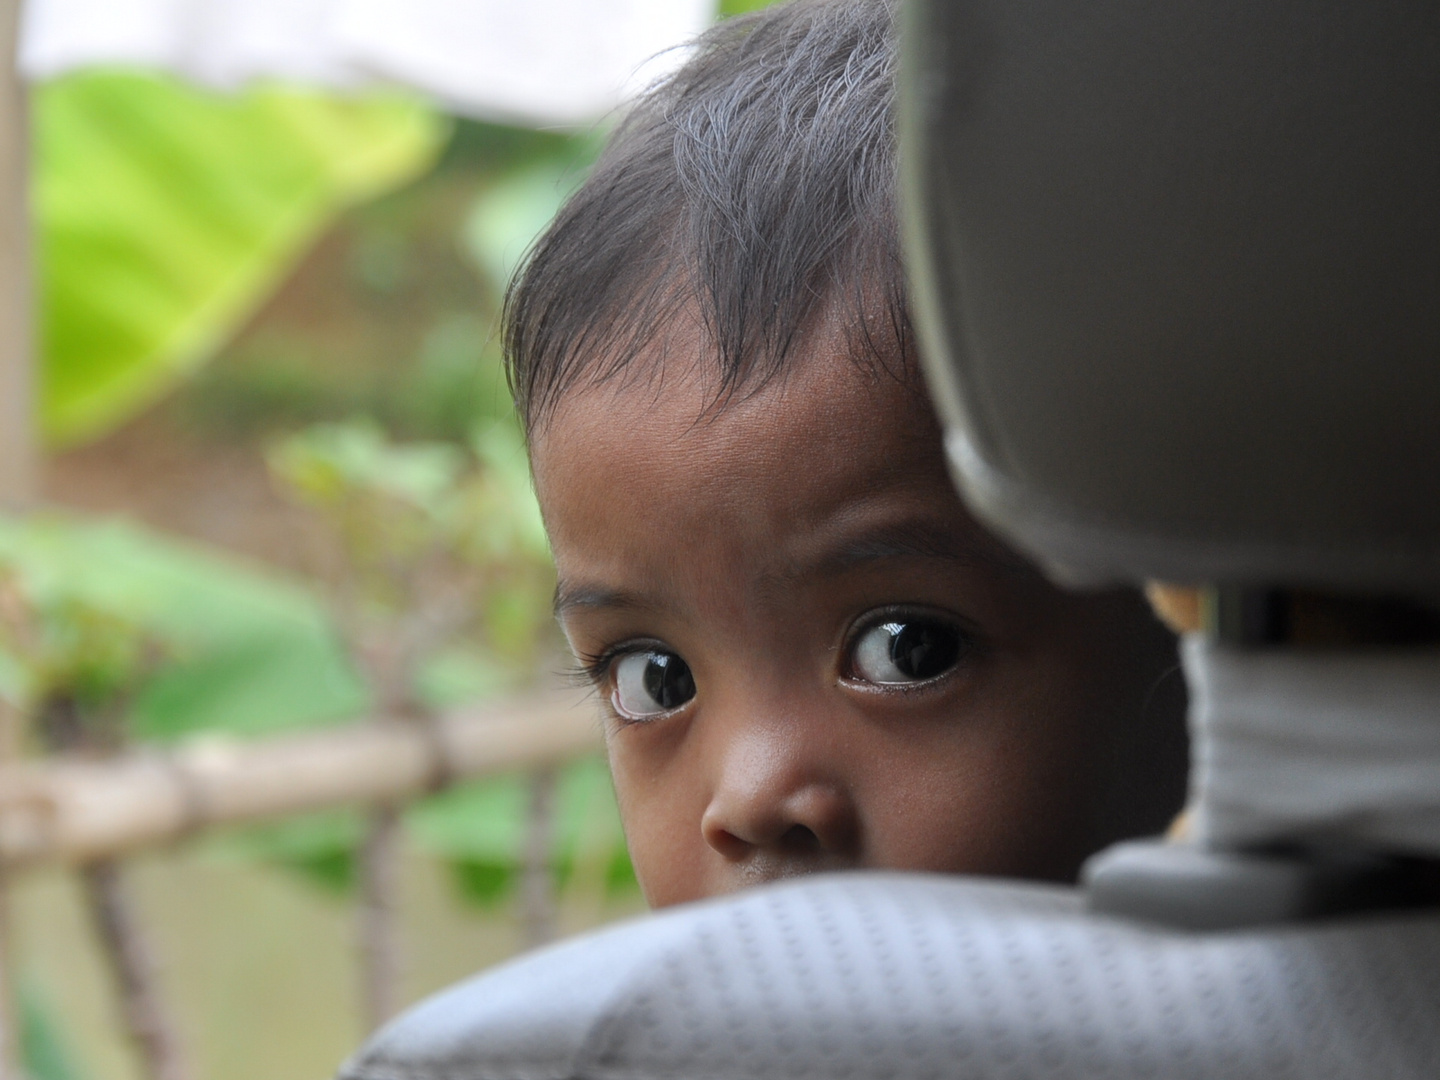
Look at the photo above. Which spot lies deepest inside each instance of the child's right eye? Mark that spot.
(651, 683)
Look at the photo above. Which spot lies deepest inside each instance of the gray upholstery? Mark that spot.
(1175, 270)
(902, 976)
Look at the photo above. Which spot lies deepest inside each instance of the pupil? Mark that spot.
(923, 650)
(668, 680)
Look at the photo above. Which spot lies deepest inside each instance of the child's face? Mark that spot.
(812, 657)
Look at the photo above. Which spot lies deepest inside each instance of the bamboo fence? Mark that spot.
(74, 810)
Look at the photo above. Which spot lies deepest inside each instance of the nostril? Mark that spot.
(806, 821)
(800, 839)
(726, 842)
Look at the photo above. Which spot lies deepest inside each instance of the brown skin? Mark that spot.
(761, 542)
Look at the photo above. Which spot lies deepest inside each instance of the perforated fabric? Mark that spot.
(902, 976)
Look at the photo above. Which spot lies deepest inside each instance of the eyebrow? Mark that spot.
(569, 596)
(915, 540)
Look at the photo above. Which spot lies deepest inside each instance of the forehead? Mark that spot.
(669, 421)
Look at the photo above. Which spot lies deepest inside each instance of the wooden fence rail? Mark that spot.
(74, 811)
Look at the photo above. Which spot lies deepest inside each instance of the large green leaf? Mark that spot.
(166, 213)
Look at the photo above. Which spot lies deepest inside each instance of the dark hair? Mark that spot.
(756, 183)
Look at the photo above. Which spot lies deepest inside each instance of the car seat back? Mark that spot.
(1177, 278)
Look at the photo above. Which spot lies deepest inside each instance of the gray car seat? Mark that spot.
(907, 976)
(1177, 273)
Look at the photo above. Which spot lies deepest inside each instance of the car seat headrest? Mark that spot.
(1177, 280)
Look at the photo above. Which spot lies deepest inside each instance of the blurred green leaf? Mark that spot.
(620, 878)
(248, 651)
(740, 7)
(464, 673)
(251, 685)
(328, 464)
(456, 382)
(43, 1047)
(480, 829)
(166, 213)
(512, 506)
(410, 513)
(322, 848)
(509, 215)
(474, 822)
(335, 870)
(81, 665)
(484, 884)
(251, 652)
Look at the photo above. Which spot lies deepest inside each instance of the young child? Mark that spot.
(810, 655)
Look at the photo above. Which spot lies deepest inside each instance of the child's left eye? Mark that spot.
(905, 650)
(651, 683)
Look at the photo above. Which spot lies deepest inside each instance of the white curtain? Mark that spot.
(530, 61)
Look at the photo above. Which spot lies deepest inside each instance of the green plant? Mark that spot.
(166, 213)
(82, 665)
(246, 651)
(75, 667)
(729, 8)
(434, 541)
(43, 1048)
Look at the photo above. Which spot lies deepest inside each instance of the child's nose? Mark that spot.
(771, 801)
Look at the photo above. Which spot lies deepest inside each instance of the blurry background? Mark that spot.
(279, 488)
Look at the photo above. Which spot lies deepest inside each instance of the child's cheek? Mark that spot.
(660, 808)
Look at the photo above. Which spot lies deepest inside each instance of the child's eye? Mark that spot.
(905, 650)
(648, 684)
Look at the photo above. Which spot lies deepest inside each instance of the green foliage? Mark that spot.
(391, 504)
(740, 7)
(42, 1046)
(483, 882)
(429, 525)
(393, 318)
(455, 383)
(244, 651)
(166, 213)
(508, 216)
(58, 644)
(480, 830)
(322, 848)
(276, 384)
(442, 542)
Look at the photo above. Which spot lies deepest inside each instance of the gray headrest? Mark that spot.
(1177, 276)
(870, 976)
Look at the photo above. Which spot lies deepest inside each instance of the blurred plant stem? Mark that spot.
(12, 722)
(133, 966)
(380, 946)
(388, 652)
(537, 882)
(11, 1052)
(126, 948)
